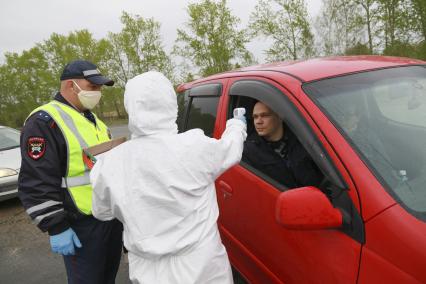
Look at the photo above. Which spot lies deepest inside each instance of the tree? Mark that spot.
(396, 32)
(340, 26)
(369, 19)
(25, 83)
(212, 41)
(136, 49)
(31, 79)
(358, 49)
(60, 49)
(420, 16)
(287, 23)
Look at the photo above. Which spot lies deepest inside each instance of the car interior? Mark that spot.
(248, 103)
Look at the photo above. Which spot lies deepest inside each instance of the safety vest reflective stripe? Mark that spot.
(76, 181)
(70, 124)
(42, 206)
(39, 218)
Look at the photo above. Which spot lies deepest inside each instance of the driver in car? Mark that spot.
(274, 150)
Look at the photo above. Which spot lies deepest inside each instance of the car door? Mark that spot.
(261, 249)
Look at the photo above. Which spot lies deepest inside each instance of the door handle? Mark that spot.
(225, 188)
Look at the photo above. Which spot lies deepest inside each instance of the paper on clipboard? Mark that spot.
(90, 153)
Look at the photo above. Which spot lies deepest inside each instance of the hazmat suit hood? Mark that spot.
(151, 103)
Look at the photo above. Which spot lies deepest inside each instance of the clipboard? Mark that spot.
(89, 154)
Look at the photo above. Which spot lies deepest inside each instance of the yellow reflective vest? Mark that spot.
(79, 133)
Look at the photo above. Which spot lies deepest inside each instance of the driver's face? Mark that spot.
(266, 122)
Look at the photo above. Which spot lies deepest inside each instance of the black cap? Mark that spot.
(82, 69)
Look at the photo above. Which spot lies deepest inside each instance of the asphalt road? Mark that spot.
(25, 255)
(119, 131)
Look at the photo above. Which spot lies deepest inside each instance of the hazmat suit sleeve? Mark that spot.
(227, 151)
(101, 198)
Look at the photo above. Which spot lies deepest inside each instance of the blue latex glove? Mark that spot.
(239, 114)
(64, 242)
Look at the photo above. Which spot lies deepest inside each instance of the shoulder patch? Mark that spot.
(43, 116)
(36, 147)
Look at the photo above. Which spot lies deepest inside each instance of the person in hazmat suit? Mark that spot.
(160, 185)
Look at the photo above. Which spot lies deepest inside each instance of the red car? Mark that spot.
(365, 222)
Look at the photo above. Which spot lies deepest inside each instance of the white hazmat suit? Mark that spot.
(160, 185)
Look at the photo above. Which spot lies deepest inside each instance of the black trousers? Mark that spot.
(97, 261)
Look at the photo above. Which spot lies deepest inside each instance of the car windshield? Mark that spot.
(383, 115)
(9, 138)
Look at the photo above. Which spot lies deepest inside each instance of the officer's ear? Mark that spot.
(66, 85)
(70, 85)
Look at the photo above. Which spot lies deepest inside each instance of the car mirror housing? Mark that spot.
(307, 208)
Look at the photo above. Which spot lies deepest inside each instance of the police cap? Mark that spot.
(83, 69)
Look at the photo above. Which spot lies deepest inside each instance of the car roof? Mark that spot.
(320, 68)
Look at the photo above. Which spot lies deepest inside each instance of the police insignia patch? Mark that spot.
(36, 146)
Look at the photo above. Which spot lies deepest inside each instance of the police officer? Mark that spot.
(54, 184)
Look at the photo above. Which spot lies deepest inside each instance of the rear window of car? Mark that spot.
(383, 115)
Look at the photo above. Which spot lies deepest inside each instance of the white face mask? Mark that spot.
(88, 99)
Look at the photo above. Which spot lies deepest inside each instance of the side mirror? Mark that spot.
(307, 208)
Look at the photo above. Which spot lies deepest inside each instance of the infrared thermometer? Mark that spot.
(239, 111)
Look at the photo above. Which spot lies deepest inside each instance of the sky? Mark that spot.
(23, 23)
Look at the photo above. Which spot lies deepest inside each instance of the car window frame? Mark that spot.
(280, 103)
(206, 90)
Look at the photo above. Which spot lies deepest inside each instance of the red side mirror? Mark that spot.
(307, 208)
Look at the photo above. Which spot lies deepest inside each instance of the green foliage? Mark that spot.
(358, 49)
(340, 26)
(60, 49)
(394, 23)
(389, 27)
(136, 49)
(212, 41)
(286, 23)
(418, 16)
(25, 83)
(31, 79)
(369, 20)
(398, 48)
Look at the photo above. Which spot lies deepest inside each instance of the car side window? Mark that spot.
(197, 107)
(283, 162)
(202, 114)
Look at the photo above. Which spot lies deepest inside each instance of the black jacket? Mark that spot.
(40, 177)
(295, 170)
